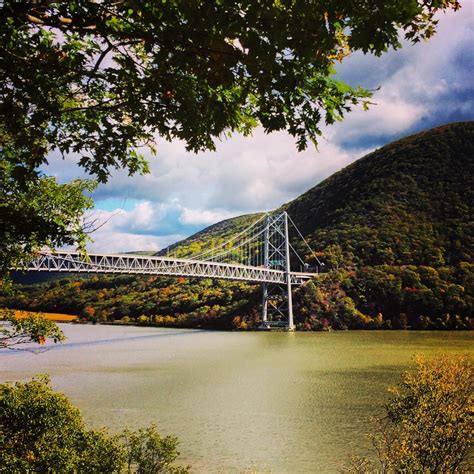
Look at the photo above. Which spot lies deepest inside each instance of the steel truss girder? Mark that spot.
(72, 262)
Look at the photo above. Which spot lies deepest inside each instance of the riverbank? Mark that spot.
(170, 322)
(55, 317)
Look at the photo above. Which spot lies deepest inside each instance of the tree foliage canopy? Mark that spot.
(31, 329)
(38, 213)
(40, 431)
(100, 78)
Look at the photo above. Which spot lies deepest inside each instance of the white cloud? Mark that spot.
(119, 242)
(121, 230)
(419, 84)
(201, 217)
(390, 115)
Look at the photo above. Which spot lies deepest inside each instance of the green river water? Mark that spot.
(239, 402)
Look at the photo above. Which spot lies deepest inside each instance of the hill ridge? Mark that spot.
(400, 204)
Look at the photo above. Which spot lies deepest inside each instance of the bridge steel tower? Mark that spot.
(277, 305)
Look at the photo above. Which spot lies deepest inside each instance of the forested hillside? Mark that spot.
(211, 236)
(395, 229)
(411, 202)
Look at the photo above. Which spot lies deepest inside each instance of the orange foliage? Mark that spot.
(166, 292)
(51, 316)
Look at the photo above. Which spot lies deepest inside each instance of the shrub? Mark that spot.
(148, 452)
(427, 426)
(40, 431)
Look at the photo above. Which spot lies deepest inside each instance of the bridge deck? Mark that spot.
(73, 262)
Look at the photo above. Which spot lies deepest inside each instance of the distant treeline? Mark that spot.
(372, 297)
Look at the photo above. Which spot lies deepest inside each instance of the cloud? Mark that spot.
(201, 217)
(421, 86)
(119, 242)
(390, 116)
(243, 175)
(138, 229)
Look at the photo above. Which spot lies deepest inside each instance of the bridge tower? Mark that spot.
(277, 306)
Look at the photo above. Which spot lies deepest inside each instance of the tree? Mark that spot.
(40, 431)
(31, 329)
(334, 256)
(428, 424)
(147, 451)
(102, 78)
(38, 213)
(35, 213)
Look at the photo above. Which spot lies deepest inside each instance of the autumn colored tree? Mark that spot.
(427, 425)
(89, 312)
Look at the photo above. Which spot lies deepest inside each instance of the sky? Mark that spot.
(418, 87)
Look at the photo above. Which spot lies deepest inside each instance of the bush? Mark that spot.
(427, 426)
(148, 452)
(40, 431)
(143, 320)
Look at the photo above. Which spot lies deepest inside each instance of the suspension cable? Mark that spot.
(297, 254)
(304, 240)
(231, 239)
(240, 245)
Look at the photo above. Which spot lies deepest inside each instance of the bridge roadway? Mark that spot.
(74, 262)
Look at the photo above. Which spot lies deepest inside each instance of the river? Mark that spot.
(239, 402)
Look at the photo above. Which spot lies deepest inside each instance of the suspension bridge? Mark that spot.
(261, 253)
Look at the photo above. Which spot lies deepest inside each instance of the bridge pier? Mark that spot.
(291, 325)
(276, 308)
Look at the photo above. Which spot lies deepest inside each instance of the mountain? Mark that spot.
(410, 202)
(395, 229)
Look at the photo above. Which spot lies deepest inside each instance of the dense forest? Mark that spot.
(395, 230)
